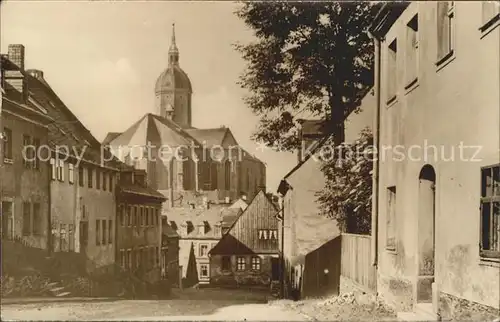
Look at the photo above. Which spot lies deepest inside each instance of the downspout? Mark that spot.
(49, 212)
(283, 247)
(171, 182)
(376, 168)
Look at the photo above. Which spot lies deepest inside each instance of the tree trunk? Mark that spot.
(337, 119)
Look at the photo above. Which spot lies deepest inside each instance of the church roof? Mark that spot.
(211, 137)
(155, 129)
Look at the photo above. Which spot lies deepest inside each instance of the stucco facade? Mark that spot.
(443, 115)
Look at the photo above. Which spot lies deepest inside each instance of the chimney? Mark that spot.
(227, 200)
(36, 73)
(244, 197)
(16, 55)
(14, 76)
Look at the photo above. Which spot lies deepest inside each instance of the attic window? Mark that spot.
(189, 226)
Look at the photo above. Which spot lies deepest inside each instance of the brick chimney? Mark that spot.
(16, 55)
(14, 77)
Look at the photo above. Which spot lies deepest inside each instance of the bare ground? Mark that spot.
(354, 306)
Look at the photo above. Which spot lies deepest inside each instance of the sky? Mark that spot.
(103, 59)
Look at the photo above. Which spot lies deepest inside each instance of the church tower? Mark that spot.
(173, 90)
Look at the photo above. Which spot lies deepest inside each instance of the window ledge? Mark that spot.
(8, 161)
(391, 250)
(490, 26)
(392, 100)
(411, 85)
(448, 58)
(493, 262)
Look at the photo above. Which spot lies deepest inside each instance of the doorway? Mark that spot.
(275, 269)
(7, 219)
(426, 233)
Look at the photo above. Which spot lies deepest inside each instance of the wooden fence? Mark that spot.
(321, 275)
(356, 261)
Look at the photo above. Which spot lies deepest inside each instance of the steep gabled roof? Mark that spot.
(155, 129)
(231, 242)
(110, 137)
(210, 137)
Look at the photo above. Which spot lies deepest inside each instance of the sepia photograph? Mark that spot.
(249, 160)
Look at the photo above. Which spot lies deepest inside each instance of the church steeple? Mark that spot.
(173, 52)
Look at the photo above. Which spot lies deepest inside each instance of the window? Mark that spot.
(490, 211)
(204, 270)
(147, 220)
(7, 145)
(213, 176)
(226, 263)
(60, 170)
(27, 150)
(142, 219)
(203, 250)
(129, 216)
(412, 51)
(37, 220)
(71, 173)
(227, 175)
(445, 30)
(135, 215)
(104, 232)
(36, 157)
(490, 14)
(129, 259)
(157, 250)
(53, 169)
(201, 229)
(240, 263)
(104, 180)
(256, 263)
(268, 234)
(89, 177)
(122, 258)
(80, 176)
(110, 232)
(98, 232)
(392, 75)
(97, 179)
(391, 216)
(26, 218)
(186, 174)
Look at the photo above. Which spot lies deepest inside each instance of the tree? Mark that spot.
(313, 58)
(346, 196)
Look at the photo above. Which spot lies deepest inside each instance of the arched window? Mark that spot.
(187, 174)
(227, 175)
(213, 175)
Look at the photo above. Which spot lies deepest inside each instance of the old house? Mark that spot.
(249, 254)
(24, 170)
(185, 163)
(200, 229)
(305, 228)
(82, 183)
(138, 233)
(445, 176)
(169, 257)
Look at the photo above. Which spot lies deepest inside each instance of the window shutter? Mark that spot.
(71, 175)
(442, 29)
(260, 234)
(61, 165)
(53, 166)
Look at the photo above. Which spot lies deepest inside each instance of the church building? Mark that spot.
(188, 165)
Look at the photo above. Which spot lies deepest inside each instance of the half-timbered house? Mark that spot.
(248, 254)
